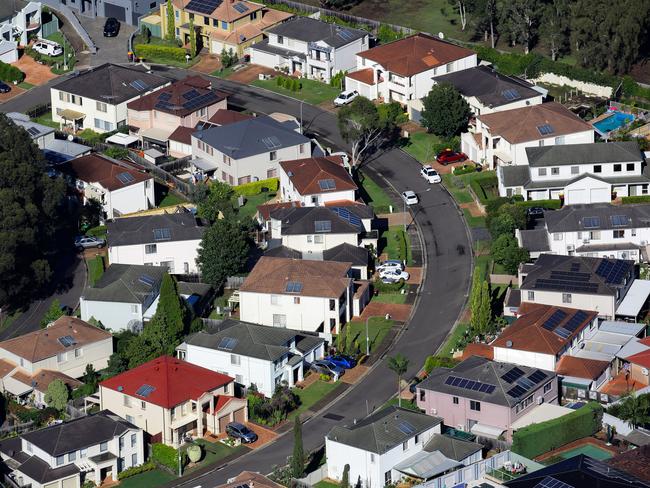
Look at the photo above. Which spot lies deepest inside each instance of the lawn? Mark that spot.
(458, 188)
(396, 244)
(149, 479)
(326, 484)
(456, 335)
(374, 195)
(405, 404)
(163, 60)
(251, 203)
(172, 199)
(310, 395)
(398, 298)
(9, 319)
(473, 221)
(46, 119)
(26, 86)
(96, 269)
(420, 146)
(213, 452)
(483, 263)
(378, 327)
(220, 301)
(313, 92)
(223, 73)
(59, 38)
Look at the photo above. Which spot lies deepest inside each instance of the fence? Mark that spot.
(234, 282)
(314, 477)
(71, 18)
(73, 411)
(17, 428)
(469, 473)
(176, 165)
(50, 27)
(187, 189)
(38, 110)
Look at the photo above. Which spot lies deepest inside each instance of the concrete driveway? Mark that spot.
(109, 49)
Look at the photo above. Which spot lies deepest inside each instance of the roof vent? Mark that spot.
(355, 421)
(508, 343)
(120, 388)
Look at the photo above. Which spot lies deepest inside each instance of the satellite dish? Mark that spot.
(441, 35)
(70, 137)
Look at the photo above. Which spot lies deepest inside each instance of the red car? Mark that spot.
(448, 156)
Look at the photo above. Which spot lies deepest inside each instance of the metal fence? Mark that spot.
(50, 27)
(183, 187)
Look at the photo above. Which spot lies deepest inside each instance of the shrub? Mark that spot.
(636, 199)
(337, 80)
(127, 473)
(117, 152)
(433, 362)
(167, 456)
(548, 204)
(388, 287)
(156, 51)
(255, 187)
(10, 73)
(484, 186)
(464, 169)
(324, 377)
(539, 438)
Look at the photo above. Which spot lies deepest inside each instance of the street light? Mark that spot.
(368, 335)
(301, 102)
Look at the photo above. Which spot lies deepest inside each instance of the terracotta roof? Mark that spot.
(635, 462)
(318, 278)
(476, 349)
(580, 367)
(45, 343)
(221, 401)
(266, 208)
(224, 117)
(528, 332)
(478, 139)
(43, 377)
(641, 358)
(174, 381)
(561, 120)
(182, 135)
(94, 168)
(246, 32)
(415, 54)
(307, 175)
(6, 367)
(251, 479)
(365, 76)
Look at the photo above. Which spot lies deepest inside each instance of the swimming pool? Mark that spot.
(613, 122)
(588, 450)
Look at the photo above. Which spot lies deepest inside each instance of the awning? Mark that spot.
(542, 413)
(485, 430)
(16, 387)
(506, 158)
(204, 164)
(122, 139)
(634, 299)
(425, 465)
(71, 114)
(161, 135)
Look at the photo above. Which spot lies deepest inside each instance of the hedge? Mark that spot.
(464, 169)
(10, 73)
(167, 456)
(152, 51)
(481, 185)
(539, 438)
(255, 187)
(636, 199)
(127, 473)
(547, 204)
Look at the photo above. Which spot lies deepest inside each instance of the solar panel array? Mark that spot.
(346, 35)
(554, 320)
(33, 131)
(165, 96)
(163, 234)
(139, 85)
(613, 271)
(567, 281)
(241, 7)
(191, 94)
(574, 322)
(469, 384)
(145, 390)
(620, 220)
(550, 482)
(538, 376)
(328, 184)
(525, 384)
(607, 471)
(294, 287)
(67, 341)
(203, 6)
(146, 280)
(512, 375)
(345, 214)
(125, 178)
(510, 94)
(545, 129)
(406, 428)
(200, 101)
(271, 142)
(323, 226)
(591, 222)
(227, 343)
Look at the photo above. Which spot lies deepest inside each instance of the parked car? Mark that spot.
(430, 174)
(87, 242)
(535, 212)
(111, 27)
(4, 88)
(323, 366)
(410, 197)
(48, 48)
(448, 156)
(345, 97)
(343, 361)
(240, 431)
(390, 264)
(395, 274)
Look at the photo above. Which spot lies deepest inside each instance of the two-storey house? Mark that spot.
(18, 22)
(170, 240)
(94, 448)
(254, 354)
(180, 141)
(485, 397)
(310, 47)
(584, 283)
(375, 446)
(249, 150)
(97, 98)
(154, 117)
(578, 173)
(169, 399)
(496, 140)
(405, 69)
(316, 181)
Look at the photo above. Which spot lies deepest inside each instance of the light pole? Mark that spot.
(368, 335)
(301, 102)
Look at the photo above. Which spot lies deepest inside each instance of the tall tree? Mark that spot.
(298, 457)
(171, 319)
(53, 313)
(345, 478)
(171, 22)
(555, 26)
(192, 37)
(446, 113)
(216, 202)
(398, 364)
(223, 251)
(360, 126)
(482, 310)
(475, 296)
(506, 252)
(521, 19)
(57, 395)
(635, 410)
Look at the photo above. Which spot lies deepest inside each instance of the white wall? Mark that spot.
(562, 242)
(289, 193)
(132, 198)
(183, 254)
(302, 242)
(603, 304)
(525, 358)
(114, 316)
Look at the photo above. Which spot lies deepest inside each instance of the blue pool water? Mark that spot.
(613, 122)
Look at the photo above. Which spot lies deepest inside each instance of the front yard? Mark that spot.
(313, 92)
(149, 479)
(213, 452)
(96, 267)
(421, 146)
(396, 244)
(311, 395)
(373, 194)
(378, 328)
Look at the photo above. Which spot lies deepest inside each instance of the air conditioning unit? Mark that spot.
(644, 371)
(434, 411)
(540, 400)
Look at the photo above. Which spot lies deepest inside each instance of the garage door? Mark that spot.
(116, 11)
(600, 195)
(576, 196)
(223, 421)
(240, 416)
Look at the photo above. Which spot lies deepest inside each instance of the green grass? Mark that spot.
(483, 263)
(378, 327)
(247, 212)
(396, 243)
(98, 231)
(172, 199)
(326, 484)
(220, 301)
(313, 92)
(374, 195)
(213, 452)
(223, 73)
(10, 319)
(452, 340)
(310, 395)
(161, 59)
(420, 146)
(26, 86)
(461, 195)
(498, 269)
(473, 221)
(149, 479)
(59, 38)
(96, 269)
(405, 404)
(397, 298)
(46, 119)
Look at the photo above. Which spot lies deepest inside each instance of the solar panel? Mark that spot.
(613, 271)
(241, 7)
(512, 375)
(574, 322)
(565, 285)
(323, 226)
(562, 332)
(344, 213)
(406, 428)
(228, 343)
(203, 6)
(191, 94)
(607, 471)
(271, 142)
(145, 390)
(139, 85)
(162, 105)
(569, 275)
(545, 129)
(550, 482)
(327, 184)
(591, 222)
(146, 279)
(346, 35)
(162, 234)
(165, 96)
(554, 320)
(125, 178)
(525, 383)
(620, 220)
(469, 384)
(575, 267)
(67, 341)
(516, 391)
(33, 131)
(294, 287)
(200, 101)
(510, 94)
(537, 376)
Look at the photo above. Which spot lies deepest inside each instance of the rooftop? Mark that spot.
(94, 168)
(42, 378)
(634, 462)
(578, 367)
(318, 175)
(307, 29)
(251, 479)
(595, 153)
(225, 117)
(597, 216)
(181, 225)
(126, 283)
(220, 9)
(452, 447)
(317, 220)
(166, 382)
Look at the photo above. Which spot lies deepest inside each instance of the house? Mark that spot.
(542, 335)
(97, 99)
(233, 25)
(170, 240)
(316, 181)
(596, 284)
(592, 230)
(639, 366)
(18, 21)
(184, 103)
(249, 150)
(310, 296)
(127, 11)
(581, 373)
(485, 397)
(251, 479)
(94, 448)
(310, 47)
(169, 398)
(254, 354)
(117, 186)
(497, 141)
(358, 257)
(578, 173)
(405, 69)
(486, 91)
(32, 388)
(374, 446)
(634, 462)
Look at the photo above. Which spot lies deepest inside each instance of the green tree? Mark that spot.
(217, 201)
(506, 252)
(360, 126)
(520, 20)
(555, 27)
(171, 319)
(57, 395)
(481, 321)
(90, 376)
(345, 478)
(223, 251)
(298, 457)
(192, 37)
(53, 313)
(635, 410)
(349, 341)
(398, 364)
(171, 22)
(502, 223)
(225, 59)
(446, 113)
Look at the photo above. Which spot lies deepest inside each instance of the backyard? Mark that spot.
(251, 202)
(313, 92)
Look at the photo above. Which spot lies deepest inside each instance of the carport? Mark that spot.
(635, 300)
(72, 118)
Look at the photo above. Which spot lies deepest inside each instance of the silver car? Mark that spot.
(87, 242)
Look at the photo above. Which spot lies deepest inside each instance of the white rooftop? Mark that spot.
(616, 326)
(122, 139)
(541, 413)
(634, 299)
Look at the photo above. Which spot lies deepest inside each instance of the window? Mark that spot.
(60, 357)
(598, 168)
(273, 155)
(134, 459)
(271, 173)
(206, 21)
(226, 160)
(372, 458)
(224, 25)
(296, 300)
(101, 107)
(566, 297)
(84, 452)
(150, 249)
(130, 419)
(332, 323)
(476, 406)
(239, 379)
(417, 438)
(77, 353)
(279, 320)
(455, 400)
(531, 296)
(557, 236)
(405, 445)
(301, 149)
(629, 166)
(422, 395)
(121, 442)
(60, 460)
(618, 168)
(127, 400)
(134, 308)
(28, 446)
(143, 405)
(235, 359)
(541, 143)
(619, 234)
(103, 124)
(72, 456)
(310, 239)
(450, 67)
(541, 172)
(275, 300)
(548, 386)
(559, 140)
(318, 239)
(555, 171)
(103, 447)
(280, 40)
(633, 232)
(594, 235)
(575, 170)
(387, 478)
(332, 305)
(178, 14)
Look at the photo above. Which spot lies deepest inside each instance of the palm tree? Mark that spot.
(398, 364)
(635, 410)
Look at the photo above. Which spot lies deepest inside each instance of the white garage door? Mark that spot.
(576, 196)
(600, 195)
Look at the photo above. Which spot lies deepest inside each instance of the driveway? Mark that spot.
(35, 73)
(109, 49)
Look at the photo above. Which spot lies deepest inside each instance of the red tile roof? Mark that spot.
(590, 369)
(221, 401)
(365, 76)
(225, 117)
(175, 381)
(635, 462)
(182, 135)
(94, 168)
(305, 174)
(266, 208)
(476, 349)
(641, 358)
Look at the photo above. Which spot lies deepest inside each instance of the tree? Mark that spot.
(170, 321)
(90, 376)
(53, 313)
(360, 126)
(192, 37)
(57, 395)
(555, 26)
(171, 23)
(298, 457)
(223, 251)
(635, 410)
(446, 113)
(216, 201)
(398, 364)
(476, 297)
(345, 478)
(506, 252)
(520, 20)
(225, 58)
(481, 322)
(502, 223)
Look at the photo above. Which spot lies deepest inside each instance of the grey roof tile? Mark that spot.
(302, 220)
(311, 30)
(571, 217)
(515, 175)
(126, 283)
(452, 447)
(182, 226)
(535, 240)
(594, 153)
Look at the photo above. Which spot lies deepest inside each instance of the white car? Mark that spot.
(48, 48)
(394, 274)
(430, 174)
(410, 197)
(345, 97)
(390, 265)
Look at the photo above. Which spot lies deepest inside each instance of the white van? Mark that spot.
(48, 48)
